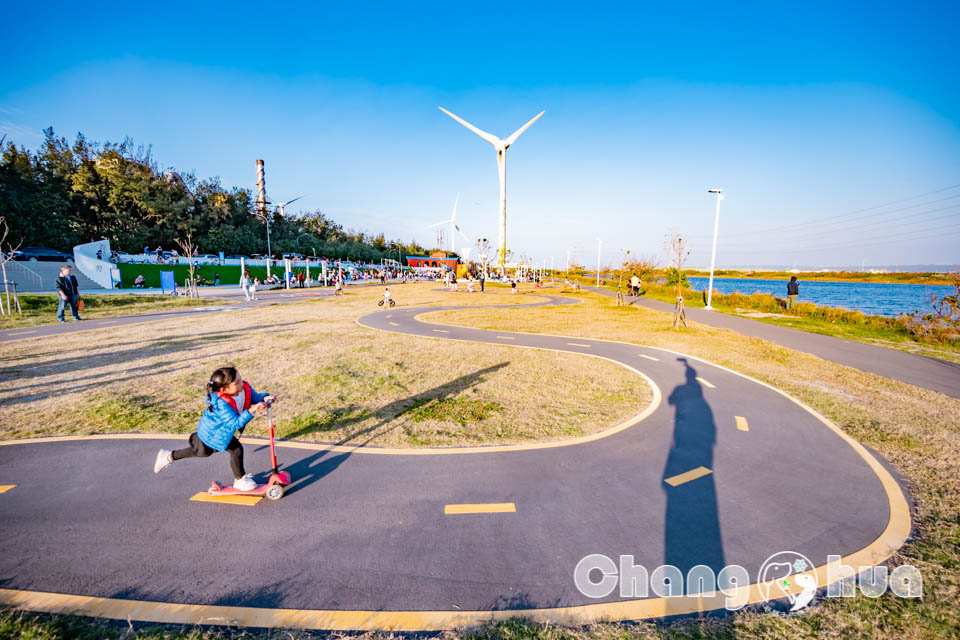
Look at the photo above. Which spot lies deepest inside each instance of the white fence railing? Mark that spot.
(23, 274)
(100, 271)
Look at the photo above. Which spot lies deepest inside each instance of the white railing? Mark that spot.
(98, 270)
(14, 268)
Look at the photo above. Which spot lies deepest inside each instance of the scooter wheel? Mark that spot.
(393, 303)
(275, 492)
(380, 304)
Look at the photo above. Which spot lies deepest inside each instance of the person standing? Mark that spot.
(634, 285)
(246, 283)
(68, 290)
(793, 290)
(483, 278)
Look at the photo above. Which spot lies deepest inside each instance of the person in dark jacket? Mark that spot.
(793, 290)
(68, 292)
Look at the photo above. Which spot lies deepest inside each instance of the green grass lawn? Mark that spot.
(41, 309)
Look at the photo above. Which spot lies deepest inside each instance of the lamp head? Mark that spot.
(714, 190)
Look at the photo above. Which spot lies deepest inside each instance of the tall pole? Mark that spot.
(713, 255)
(262, 206)
(599, 244)
(553, 272)
(502, 244)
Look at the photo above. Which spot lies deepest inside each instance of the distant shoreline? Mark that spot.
(879, 278)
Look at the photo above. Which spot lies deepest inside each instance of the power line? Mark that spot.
(811, 236)
(867, 243)
(853, 213)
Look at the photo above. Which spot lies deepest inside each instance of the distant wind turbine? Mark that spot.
(454, 229)
(501, 146)
(283, 205)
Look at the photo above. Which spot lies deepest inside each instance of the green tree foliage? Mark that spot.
(62, 195)
(673, 276)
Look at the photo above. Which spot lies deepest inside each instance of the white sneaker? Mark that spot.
(164, 458)
(246, 483)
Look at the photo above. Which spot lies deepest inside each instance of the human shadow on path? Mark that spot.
(692, 525)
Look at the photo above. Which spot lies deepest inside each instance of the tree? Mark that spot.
(5, 257)
(677, 254)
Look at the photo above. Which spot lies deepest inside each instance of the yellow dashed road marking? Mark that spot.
(742, 423)
(395, 324)
(706, 384)
(693, 474)
(577, 344)
(649, 357)
(441, 331)
(248, 501)
(6, 487)
(507, 337)
(21, 333)
(484, 507)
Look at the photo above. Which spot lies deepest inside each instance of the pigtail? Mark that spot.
(220, 378)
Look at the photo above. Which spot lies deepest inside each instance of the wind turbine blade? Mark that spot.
(492, 139)
(516, 134)
(437, 224)
(294, 200)
(455, 203)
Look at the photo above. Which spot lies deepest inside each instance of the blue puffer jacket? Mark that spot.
(217, 426)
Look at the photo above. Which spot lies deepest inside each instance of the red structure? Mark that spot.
(431, 261)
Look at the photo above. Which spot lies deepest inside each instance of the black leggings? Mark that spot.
(199, 450)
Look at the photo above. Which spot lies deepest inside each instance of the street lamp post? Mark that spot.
(713, 256)
(599, 243)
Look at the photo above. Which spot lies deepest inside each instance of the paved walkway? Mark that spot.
(718, 470)
(922, 371)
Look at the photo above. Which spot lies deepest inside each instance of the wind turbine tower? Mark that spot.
(454, 229)
(501, 146)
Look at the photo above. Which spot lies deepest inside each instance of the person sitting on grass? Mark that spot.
(140, 281)
(231, 404)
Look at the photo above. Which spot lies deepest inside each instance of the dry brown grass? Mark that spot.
(336, 381)
(916, 429)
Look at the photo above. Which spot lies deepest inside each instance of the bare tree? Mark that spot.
(677, 254)
(186, 244)
(5, 257)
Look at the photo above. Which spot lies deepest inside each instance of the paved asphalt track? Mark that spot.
(922, 371)
(362, 539)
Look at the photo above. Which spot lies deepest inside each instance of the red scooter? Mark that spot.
(273, 489)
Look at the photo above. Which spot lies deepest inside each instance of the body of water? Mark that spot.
(873, 298)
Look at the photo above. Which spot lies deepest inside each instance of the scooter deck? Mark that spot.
(217, 489)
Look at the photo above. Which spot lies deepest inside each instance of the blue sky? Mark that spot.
(805, 115)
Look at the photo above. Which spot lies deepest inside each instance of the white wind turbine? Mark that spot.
(454, 229)
(501, 146)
